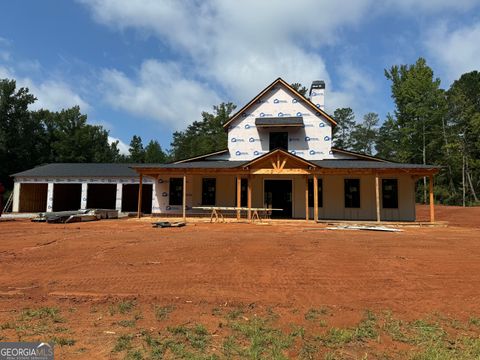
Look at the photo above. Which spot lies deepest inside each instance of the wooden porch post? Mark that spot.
(239, 195)
(432, 201)
(140, 188)
(315, 197)
(377, 196)
(184, 199)
(249, 198)
(307, 217)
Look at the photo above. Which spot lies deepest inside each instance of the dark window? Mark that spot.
(310, 193)
(243, 193)
(175, 196)
(390, 193)
(208, 191)
(352, 193)
(278, 140)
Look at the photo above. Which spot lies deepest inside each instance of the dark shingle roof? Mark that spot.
(82, 170)
(127, 170)
(211, 164)
(279, 121)
(367, 164)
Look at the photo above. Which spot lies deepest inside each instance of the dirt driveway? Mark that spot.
(202, 266)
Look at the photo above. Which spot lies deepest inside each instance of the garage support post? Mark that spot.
(83, 201)
(49, 197)
(118, 198)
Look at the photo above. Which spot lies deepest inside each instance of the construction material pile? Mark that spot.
(66, 217)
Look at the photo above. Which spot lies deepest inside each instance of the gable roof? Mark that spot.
(279, 151)
(292, 90)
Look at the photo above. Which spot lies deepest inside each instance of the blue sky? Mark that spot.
(150, 67)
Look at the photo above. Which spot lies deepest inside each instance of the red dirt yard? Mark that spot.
(97, 282)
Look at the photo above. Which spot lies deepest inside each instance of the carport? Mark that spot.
(101, 196)
(33, 197)
(130, 198)
(67, 197)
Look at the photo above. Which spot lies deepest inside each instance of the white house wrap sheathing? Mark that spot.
(313, 141)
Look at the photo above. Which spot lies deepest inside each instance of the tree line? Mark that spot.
(29, 138)
(429, 125)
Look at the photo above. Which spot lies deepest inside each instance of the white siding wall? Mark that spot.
(333, 196)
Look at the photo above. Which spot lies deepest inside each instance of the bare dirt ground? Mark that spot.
(106, 279)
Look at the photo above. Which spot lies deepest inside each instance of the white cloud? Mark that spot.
(121, 145)
(160, 91)
(457, 50)
(53, 95)
(239, 47)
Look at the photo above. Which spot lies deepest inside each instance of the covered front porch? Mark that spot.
(279, 180)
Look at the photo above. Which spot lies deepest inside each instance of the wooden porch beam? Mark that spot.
(377, 196)
(307, 215)
(239, 195)
(315, 197)
(432, 200)
(139, 202)
(184, 198)
(249, 198)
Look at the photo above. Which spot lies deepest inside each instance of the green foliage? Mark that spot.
(342, 133)
(364, 135)
(154, 153)
(136, 150)
(388, 139)
(300, 88)
(29, 138)
(420, 107)
(205, 136)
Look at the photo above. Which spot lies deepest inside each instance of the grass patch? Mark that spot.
(474, 321)
(235, 314)
(162, 312)
(127, 323)
(365, 330)
(124, 342)
(63, 341)
(313, 314)
(257, 339)
(51, 313)
(123, 307)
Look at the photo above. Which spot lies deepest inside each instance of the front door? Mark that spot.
(278, 195)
